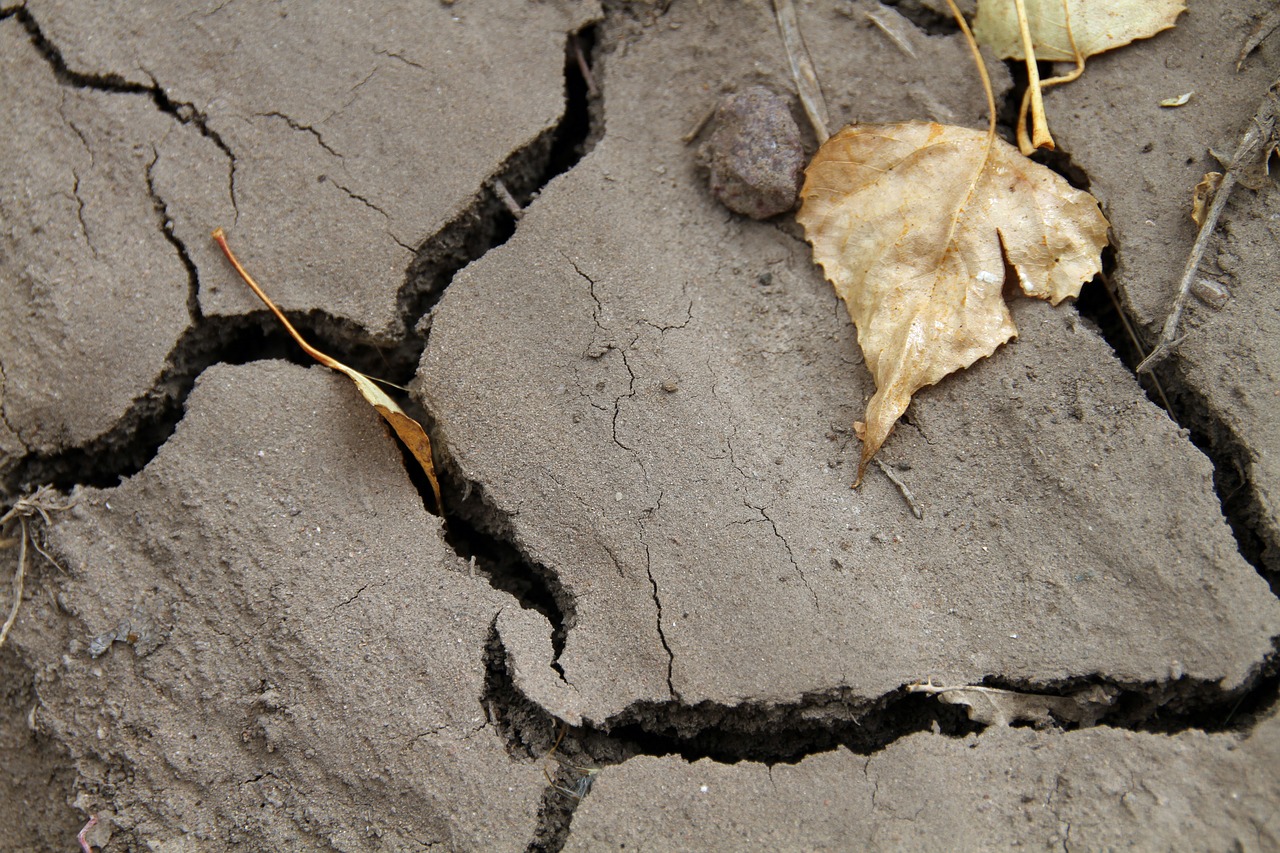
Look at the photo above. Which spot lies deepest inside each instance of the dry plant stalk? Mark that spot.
(1061, 31)
(815, 106)
(36, 505)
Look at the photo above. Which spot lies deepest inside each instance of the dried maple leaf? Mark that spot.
(914, 223)
(409, 431)
(1094, 26)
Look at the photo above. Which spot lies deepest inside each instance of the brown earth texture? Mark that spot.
(653, 615)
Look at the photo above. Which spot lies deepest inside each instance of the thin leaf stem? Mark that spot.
(1040, 137)
(982, 67)
(220, 237)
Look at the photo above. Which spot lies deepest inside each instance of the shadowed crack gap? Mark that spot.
(481, 535)
(1189, 408)
(788, 732)
(151, 419)
(133, 442)
(487, 222)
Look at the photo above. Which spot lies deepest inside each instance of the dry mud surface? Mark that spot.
(258, 636)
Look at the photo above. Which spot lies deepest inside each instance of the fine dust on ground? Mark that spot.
(642, 407)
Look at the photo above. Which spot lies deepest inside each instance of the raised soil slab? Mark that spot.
(302, 664)
(656, 399)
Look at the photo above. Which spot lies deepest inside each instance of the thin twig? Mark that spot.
(815, 106)
(592, 90)
(80, 836)
(1132, 334)
(697, 128)
(18, 576)
(907, 496)
(508, 200)
(1259, 139)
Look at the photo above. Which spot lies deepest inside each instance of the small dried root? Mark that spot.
(916, 509)
(586, 776)
(40, 503)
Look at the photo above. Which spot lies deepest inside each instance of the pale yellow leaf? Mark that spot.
(1096, 25)
(913, 223)
(1180, 101)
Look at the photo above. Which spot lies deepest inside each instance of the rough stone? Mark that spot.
(753, 156)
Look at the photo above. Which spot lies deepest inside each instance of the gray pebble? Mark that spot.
(753, 156)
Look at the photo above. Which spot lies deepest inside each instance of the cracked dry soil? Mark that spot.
(650, 557)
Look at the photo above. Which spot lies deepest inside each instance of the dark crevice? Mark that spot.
(1191, 410)
(1173, 708)
(488, 223)
(530, 734)
(1060, 162)
(789, 732)
(1103, 304)
(151, 420)
(482, 536)
(583, 123)
(1232, 463)
(477, 530)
